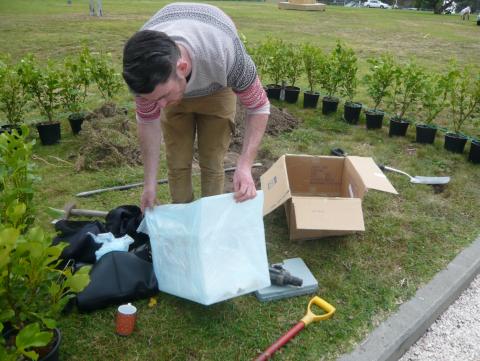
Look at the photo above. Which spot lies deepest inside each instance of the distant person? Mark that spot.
(99, 8)
(465, 13)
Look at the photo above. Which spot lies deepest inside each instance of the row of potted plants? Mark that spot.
(33, 288)
(405, 88)
(51, 88)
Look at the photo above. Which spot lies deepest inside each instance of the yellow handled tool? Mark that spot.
(306, 320)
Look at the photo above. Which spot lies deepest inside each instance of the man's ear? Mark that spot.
(182, 66)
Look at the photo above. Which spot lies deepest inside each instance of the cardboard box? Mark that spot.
(322, 195)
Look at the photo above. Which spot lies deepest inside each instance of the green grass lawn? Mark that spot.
(408, 237)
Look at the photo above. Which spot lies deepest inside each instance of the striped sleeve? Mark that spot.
(146, 110)
(254, 98)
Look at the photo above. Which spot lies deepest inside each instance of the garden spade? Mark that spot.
(418, 179)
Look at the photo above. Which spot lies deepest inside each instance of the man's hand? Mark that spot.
(243, 184)
(149, 198)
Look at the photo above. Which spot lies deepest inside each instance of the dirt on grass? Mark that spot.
(109, 138)
(280, 121)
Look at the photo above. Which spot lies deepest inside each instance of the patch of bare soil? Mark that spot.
(109, 138)
(280, 121)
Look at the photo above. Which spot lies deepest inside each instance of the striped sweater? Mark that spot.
(218, 56)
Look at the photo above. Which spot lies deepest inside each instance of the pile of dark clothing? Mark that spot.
(117, 277)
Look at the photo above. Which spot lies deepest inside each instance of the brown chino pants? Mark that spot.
(211, 119)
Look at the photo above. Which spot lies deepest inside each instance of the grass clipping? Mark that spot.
(108, 142)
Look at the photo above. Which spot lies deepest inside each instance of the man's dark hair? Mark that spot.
(149, 58)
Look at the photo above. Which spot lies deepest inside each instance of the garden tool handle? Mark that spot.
(312, 317)
(306, 320)
(287, 336)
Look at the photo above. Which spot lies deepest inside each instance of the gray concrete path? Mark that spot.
(399, 332)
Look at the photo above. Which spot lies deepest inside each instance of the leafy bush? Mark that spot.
(463, 95)
(33, 292)
(329, 77)
(76, 79)
(380, 78)
(347, 69)
(16, 175)
(13, 97)
(43, 84)
(273, 52)
(433, 96)
(312, 56)
(407, 86)
(293, 63)
(107, 79)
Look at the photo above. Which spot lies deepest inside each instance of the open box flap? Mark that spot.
(275, 186)
(330, 214)
(371, 176)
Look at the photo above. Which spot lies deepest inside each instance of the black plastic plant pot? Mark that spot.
(49, 133)
(474, 155)
(8, 128)
(398, 127)
(291, 94)
(455, 143)
(351, 112)
(76, 120)
(374, 119)
(425, 133)
(329, 105)
(53, 354)
(273, 91)
(310, 99)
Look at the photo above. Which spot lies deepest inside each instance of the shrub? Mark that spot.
(16, 175)
(380, 78)
(329, 77)
(33, 292)
(43, 85)
(433, 96)
(463, 95)
(76, 79)
(107, 79)
(13, 97)
(312, 56)
(407, 86)
(273, 52)
(347, 69)
(293, 63)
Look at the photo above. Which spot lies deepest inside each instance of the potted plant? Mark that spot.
(406, 89)
(108, 81)
(74, 84)
(330, 80)
(463, 101)
(13, 97)
(378, 81)
(44, 87)
(311, 56)
(16, 173)
(293, 71)
(33, 291)
(474, 154)
(273, 51)
(432, 101)
(347, 62)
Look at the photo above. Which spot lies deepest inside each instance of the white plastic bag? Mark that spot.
(210, 250)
